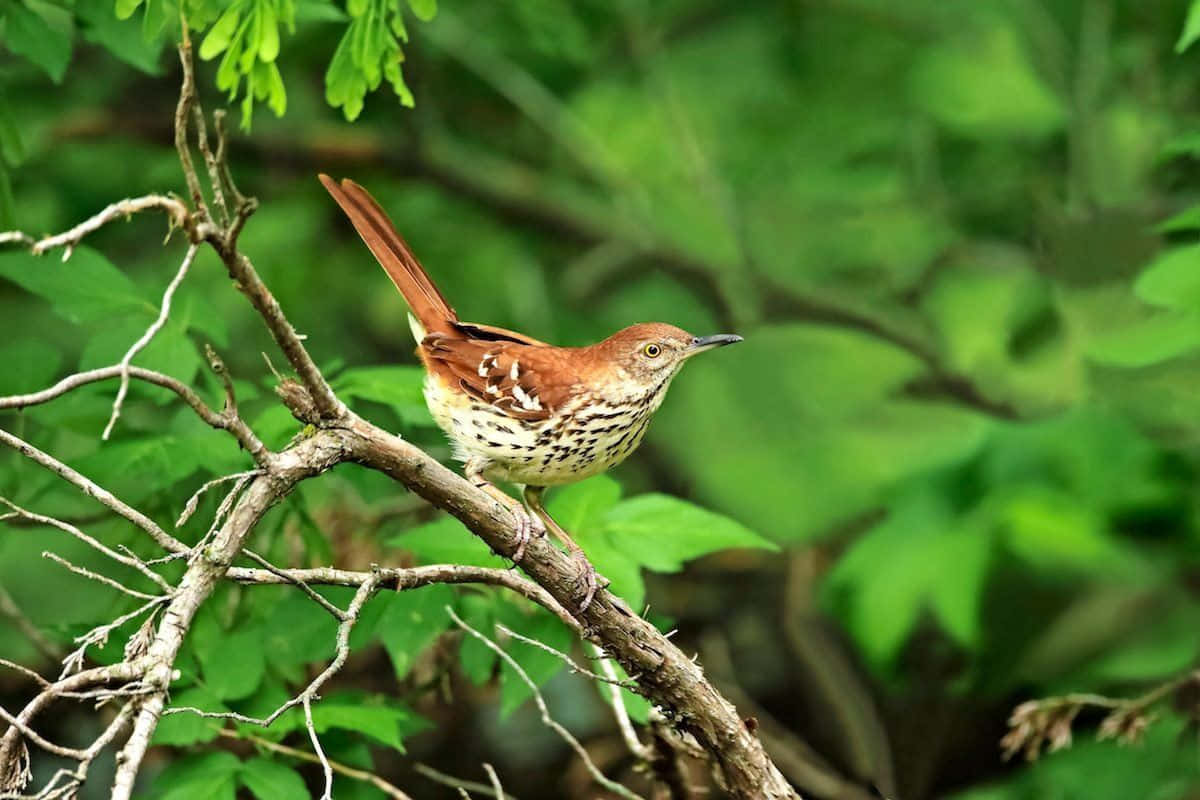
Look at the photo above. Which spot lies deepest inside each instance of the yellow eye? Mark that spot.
(652, 350)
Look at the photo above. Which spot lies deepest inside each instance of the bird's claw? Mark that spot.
(527, 526)
(587, 581)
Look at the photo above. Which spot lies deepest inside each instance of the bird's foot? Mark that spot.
(587, 580)
(527, 526)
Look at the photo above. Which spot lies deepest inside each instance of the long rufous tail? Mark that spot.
(393, 254)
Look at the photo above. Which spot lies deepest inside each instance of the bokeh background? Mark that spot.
(959, 239)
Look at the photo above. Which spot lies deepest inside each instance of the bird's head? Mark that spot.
(652, 352)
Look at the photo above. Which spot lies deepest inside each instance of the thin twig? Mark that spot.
(104, 579)
(194, 501)
(156, 326)
(547, 720)
(177, 213)
(624, 723)
(130, 561)
(411, 578)
(456, 783)
(390, 789)
(495, 779)
(570, 662)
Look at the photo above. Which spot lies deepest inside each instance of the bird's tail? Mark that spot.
(393, 254)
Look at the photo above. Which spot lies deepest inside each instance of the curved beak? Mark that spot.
(702, 343)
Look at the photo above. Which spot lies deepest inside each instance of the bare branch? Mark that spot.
(145, 338)
(309, 457)
(240, 431)
(411, 578)
(187, 98)
(177, 214)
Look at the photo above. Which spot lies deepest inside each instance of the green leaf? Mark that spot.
(1159, 338)
(270, 780)
(268, 42)
(1191, 28)
(919, 558)
(383, 723)
(121, 38)
(413, 620)
(87, 288)
(8, 205)
(126, 8)
(666, 532)
(42, 33)
(12, 149)
(1186, 220)
(1172, 280)
(29, 365)
(425, 10)
(234, 668)
(539, 665)
(400, 388)
(298, 631)
(584, 504)
(983, 85)
(209, 776)
(478, 660)
(221, 34)
(446, 541)
(143, 467)
(185, 728)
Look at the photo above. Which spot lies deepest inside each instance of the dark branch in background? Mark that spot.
(664, 674)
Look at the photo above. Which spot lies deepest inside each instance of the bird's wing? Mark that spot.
(524, 381)
(491, 333)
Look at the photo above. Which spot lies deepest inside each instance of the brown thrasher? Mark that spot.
(520, 410)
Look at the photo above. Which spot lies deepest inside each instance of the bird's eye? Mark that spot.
(652, 350)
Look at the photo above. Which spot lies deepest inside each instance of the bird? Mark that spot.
(518, 410)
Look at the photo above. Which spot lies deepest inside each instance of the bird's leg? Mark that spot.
(587, 577)
(524, 524)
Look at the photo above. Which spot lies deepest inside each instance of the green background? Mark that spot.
(959, 239)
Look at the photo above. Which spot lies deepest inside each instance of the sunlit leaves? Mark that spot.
(1161, 337)
(1172, 280)
(369, 52)
(1191, 28)
(247, 32)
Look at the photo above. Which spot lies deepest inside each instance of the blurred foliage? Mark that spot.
(961, 242)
